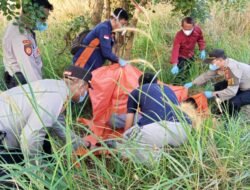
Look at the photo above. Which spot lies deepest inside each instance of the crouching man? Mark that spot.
(160, 125)
(31, 111)
(234, 90)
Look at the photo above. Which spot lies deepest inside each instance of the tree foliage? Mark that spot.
(199, 9)
(9, 8)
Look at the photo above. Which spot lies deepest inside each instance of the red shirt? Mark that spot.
(184, 45)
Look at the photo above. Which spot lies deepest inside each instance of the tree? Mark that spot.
(97, 7)
(9, 8)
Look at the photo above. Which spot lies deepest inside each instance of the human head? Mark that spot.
(78, 81)
(217, 58)
(119, 18)
(147, 78)
(44, 6)
(187, 25)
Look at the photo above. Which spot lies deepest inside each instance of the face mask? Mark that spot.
(124, 30)
(187, 32)
(117, 18)
(40, 26)
(82, 98)
(213, 67)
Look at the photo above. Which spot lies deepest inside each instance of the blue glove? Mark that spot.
(208, 94)
(175, 70)
(122, 62)
(203, 54)
(188, 85)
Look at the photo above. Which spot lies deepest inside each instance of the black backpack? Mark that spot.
(76, 44)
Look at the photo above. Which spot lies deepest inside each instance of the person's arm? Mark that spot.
(132, 106)
(129, 120)
(175, 50)
(201, 42)
(105, 45)
(204, 78)
(58, 129)
(232, 89)
(24, 54)
(44, 114)
(227, 93)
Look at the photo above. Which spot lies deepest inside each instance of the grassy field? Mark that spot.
(212, 158)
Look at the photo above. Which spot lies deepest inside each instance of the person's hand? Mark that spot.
(203, 54)
(122, 62)
(208, 94)
(188, 85)
(175, 69)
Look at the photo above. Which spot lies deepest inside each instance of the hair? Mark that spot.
(224, 57)
(147, 78)
(188, 20)
(121, 13)
(192, 102)
(43, 3)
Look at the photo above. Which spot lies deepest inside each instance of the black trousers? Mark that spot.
(16, 157)
(184, 66)
(14, 81)
(234, 105)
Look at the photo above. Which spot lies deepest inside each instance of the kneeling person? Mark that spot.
(234, 90)
(159, 124)
(31, 111)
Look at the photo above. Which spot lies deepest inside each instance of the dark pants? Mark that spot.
(16, 157)
(234, 105)
(184, 66)
(14, 81)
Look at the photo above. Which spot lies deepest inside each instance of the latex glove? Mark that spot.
(203, 54)
(208, 94)
(175, 69)
(122, 62)
(188, 85)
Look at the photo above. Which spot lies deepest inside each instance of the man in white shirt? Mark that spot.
(21, 55)
(31, 111)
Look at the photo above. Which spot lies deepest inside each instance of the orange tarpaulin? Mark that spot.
(111, 87)
(201, 102)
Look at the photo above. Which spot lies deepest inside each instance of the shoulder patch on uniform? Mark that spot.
(27, 42)
(232, 80)
(106, 37)
(28, 49)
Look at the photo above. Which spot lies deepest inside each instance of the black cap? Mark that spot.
(214, 54)
(78, 72)
(43, 3)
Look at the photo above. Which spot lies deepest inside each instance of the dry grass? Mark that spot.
(196, 118)
(222, 21)
(65, 9)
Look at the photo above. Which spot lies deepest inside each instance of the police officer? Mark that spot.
(21, 56)
(103, 32)
(29, 112)
(184, 45)
(235, 89)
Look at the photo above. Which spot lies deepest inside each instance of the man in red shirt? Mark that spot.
(184, 45)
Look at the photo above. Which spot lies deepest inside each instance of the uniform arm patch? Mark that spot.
(28, 49)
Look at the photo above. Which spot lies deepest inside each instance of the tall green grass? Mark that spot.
(212, 158)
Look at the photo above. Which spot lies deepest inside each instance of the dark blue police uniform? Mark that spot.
(154, 103)
(103, 32)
